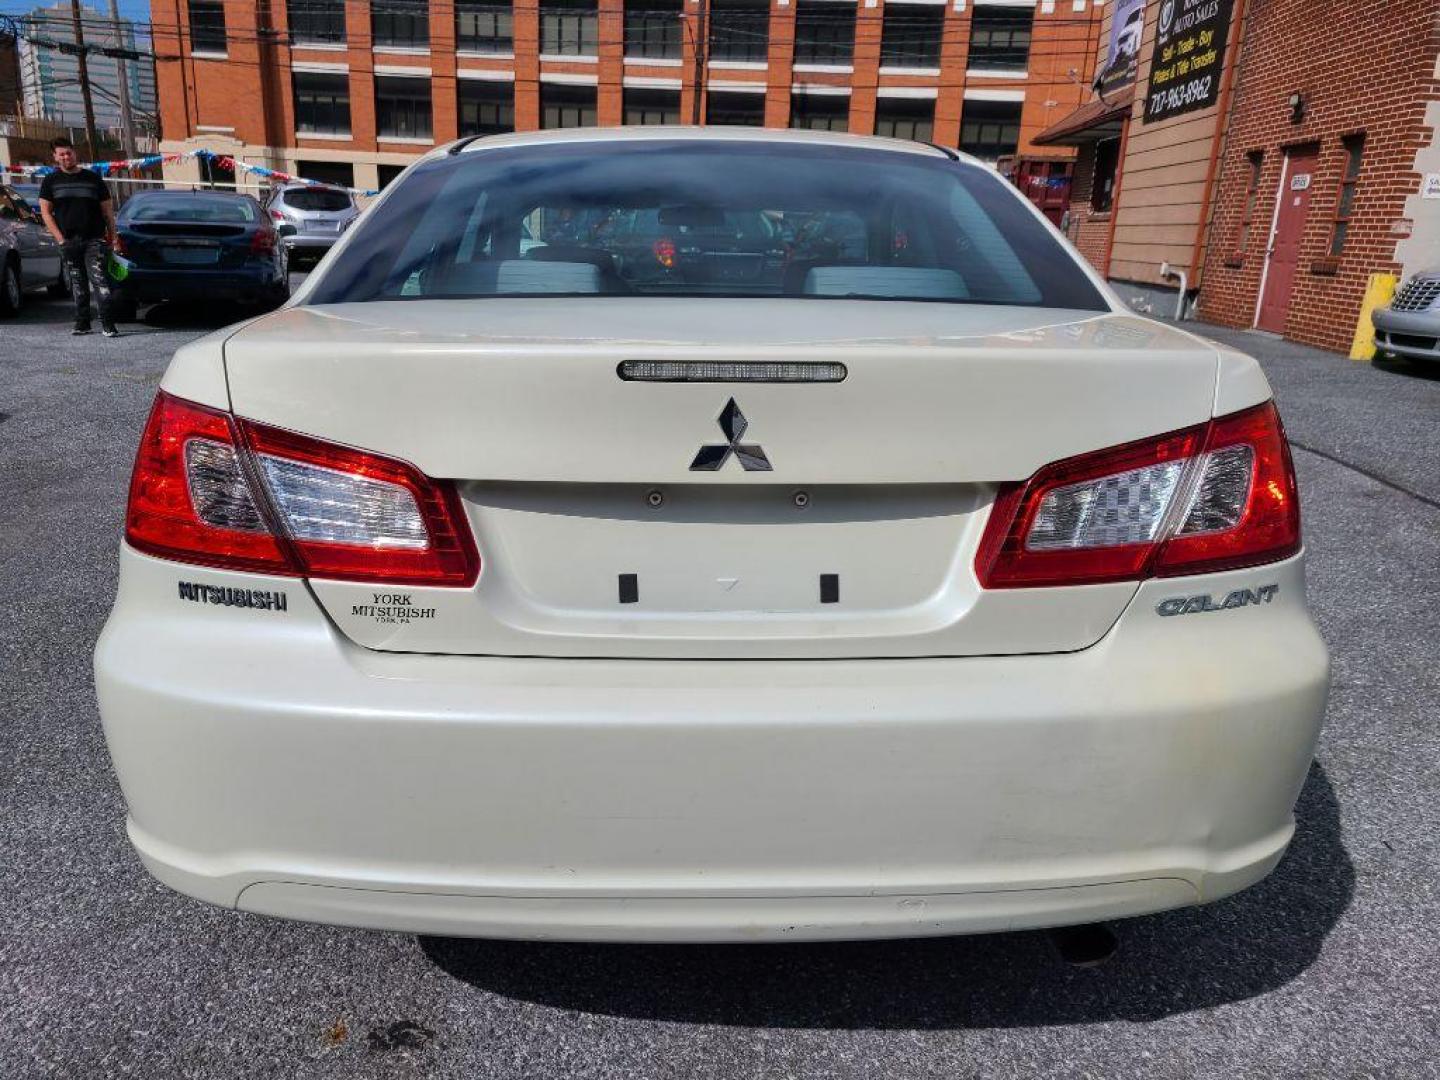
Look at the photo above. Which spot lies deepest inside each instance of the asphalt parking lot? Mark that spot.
(1328, 968)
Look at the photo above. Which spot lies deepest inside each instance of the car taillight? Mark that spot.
(212, 490)
(664, 253)
(262, 241)
(276, 215)
(118, 247)
(1215, 497)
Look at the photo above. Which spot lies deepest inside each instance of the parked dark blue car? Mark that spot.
(193, 245)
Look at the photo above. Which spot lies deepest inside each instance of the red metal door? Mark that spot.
(1296, 183)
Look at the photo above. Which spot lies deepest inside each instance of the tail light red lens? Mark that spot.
(262, 242)
(664, 253)
(118, 247)
(1214, 497)
(210, 490)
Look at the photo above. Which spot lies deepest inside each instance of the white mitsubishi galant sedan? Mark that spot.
(677, 535)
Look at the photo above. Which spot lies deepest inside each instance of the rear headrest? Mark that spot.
(485, 278)
(899, 281)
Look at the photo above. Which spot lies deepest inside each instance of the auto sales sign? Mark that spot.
(1187, 58)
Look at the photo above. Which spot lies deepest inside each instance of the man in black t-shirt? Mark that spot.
(76, 207)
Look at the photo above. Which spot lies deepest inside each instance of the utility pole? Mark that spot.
(127, 121)
(702, 40)
(84, 72)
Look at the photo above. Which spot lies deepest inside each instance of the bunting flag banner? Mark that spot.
(150, 161)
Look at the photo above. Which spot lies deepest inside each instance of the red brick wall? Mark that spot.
(1089, 231)
(1361, 66)
(195, 94)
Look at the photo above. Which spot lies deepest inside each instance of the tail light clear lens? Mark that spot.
(322, 510)
(1209, 498)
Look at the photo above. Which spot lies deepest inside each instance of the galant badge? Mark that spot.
(713, 455)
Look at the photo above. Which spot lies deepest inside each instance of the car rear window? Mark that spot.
(688, 218)
(317, 199)
(190, 208)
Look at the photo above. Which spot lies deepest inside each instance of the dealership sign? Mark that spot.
(1187, 57)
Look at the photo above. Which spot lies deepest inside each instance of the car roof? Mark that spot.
(685, 133)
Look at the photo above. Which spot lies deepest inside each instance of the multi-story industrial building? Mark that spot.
(349, 91)
(50, 77)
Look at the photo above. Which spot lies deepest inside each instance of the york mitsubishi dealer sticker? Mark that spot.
(1187, 57)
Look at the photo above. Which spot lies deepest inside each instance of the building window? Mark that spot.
(1107, 163)
(399, 24)
(824, 32)
(402, 107)
(1000, 37)
(316, 22)
(905, 118)
(820, 112)
(207, 26)
(740, 30)
(1253, 162)
(990, 129)
(322, 103)
(569, 28)
(387, 173)
(652, 106)
(339, 173)
(910, 35)
(486, 108)
(652, 29)
(564, 106)
(734, 109)
(1354, 148)
(484, 27)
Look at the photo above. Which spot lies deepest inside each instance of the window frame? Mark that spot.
(902, 26)
(381, 132)
(393, 16)
(569, 28)
(498, 17)
(653, 29)
(1102, 196)
(897, 113)
(312, 96)
(481, 95)
(833, 46)
(739, 31)
(1354, 147)
(213, 21)
(312, 22)
(1254, 165)
(1000, 21)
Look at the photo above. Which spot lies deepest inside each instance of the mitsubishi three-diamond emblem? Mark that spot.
(713, 455)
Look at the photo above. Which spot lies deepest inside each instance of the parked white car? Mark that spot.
(899, 585)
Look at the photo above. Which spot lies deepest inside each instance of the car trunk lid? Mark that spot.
(600, 536)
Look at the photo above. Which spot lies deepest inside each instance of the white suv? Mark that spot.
(902, 584)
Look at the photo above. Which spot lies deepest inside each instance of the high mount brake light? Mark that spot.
(1215, 497)
(342, 513)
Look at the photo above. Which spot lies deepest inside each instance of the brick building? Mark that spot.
(350, 91)
(1291, 174)
(1334, 125)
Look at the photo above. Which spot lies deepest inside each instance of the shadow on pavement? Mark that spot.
(1171, 963)
(1419, 369)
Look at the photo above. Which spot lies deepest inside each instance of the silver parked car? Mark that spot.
(1410, 326)
(29, 257)
(310, 219)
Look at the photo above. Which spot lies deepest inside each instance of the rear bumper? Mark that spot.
(271, 766)
(310, 242)
(148, 286)
(1408, 333)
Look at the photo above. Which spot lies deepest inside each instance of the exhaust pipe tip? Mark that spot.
(1085, 946)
